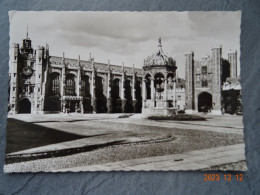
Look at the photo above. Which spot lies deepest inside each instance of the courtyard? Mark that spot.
(74, 142)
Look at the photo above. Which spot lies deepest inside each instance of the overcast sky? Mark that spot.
(129, 37)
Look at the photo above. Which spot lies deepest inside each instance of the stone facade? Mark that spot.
(40, 83)
(205, 80)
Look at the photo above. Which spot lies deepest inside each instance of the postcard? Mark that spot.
(124, 91)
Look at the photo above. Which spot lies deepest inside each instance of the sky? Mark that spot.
(128, 37)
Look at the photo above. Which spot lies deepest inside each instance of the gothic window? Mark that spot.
(138, 90)
(115, 89)
(70, 85)
(54, 84)
(128, 94)
(85, 91)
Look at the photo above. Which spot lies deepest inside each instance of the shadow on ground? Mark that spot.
(25, 135)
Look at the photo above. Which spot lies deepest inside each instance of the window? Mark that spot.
(115, 89)
(85, 86)
(31, 89)
(204, 70)
(55, 84)
(13, 88)
(70, 85)
(179, 97)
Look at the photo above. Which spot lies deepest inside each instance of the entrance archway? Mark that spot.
(204, 102)
(24, 106)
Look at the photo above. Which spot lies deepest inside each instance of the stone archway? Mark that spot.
(204, 102)
(159, 86)
(24, 106)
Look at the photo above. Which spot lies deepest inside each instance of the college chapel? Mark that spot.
(40, 83)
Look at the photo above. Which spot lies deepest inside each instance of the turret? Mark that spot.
(216, 82)
(189, 77)
(14, 79)
(232, 58)
(27, 45)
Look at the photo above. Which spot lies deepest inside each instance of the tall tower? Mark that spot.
(216, 80)
(232, 58)
(38, 105)
(189, 84)
(14, 79)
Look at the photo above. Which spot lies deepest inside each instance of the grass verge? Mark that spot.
(181, 117)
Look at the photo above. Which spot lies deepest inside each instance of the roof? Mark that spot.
(159, 58)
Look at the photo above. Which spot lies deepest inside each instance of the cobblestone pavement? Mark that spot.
(194, 160)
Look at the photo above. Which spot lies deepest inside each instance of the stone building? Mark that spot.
(209, 83)
(40, 83)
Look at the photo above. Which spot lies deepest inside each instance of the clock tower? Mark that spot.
(26, 81)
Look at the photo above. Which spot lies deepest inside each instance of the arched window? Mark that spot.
(128, 94)
(99, 87)
(115, 89)
(138, 90)
(85, 92)
(70, 85)
(55, 84)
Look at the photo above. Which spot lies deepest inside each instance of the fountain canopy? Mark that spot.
(159, 59)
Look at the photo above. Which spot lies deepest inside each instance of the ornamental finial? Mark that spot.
(27, 34)
(160, 42)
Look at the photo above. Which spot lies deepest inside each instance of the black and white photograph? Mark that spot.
(124, 91)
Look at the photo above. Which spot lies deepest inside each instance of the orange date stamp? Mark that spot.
(226, 177)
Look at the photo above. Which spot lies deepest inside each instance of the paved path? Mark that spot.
(194, 160)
